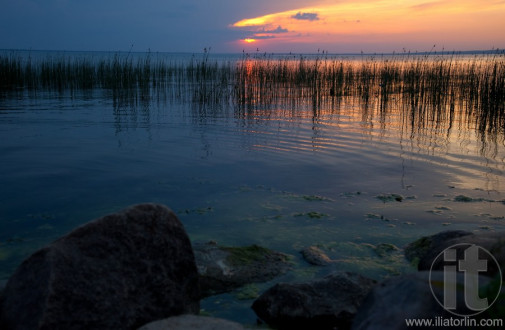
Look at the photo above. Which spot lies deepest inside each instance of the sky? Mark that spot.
(234, 26)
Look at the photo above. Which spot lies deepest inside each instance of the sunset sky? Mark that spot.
(299, 26)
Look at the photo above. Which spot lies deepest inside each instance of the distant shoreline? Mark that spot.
(409, 52)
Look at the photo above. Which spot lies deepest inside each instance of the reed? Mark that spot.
(428, 87)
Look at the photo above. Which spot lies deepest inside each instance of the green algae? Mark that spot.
(199, 210)
(246, 255)
(467, 199)
(463, 198)
(374, 267)
(390, 197)
(384, 250)
(417, 248)
(372, 216)
(309, 198)
(247, 292)
(3, 254)
(314, 198)
(204, 312)
(312, 215)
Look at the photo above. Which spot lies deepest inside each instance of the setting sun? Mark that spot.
(249, 40)
(380, 25)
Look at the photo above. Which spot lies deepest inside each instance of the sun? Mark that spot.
(249, 40)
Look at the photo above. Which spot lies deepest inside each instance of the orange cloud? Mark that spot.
(390, 21)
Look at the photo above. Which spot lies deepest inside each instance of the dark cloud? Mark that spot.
(306, 16)
(279, 29)
(261, 37)
(264, 34)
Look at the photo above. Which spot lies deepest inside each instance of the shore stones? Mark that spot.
(223, 269)
(117, 272)
(192, 322)
(327, 303)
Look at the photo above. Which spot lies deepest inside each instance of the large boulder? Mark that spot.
(225, 268)
(424, 251)
(192, 322)
(327, 303)
(117, 272)
(410, 298)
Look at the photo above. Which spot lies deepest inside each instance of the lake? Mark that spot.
(271, 166)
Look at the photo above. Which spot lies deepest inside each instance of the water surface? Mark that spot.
(283, 176)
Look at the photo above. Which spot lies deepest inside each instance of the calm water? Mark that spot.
(282, 177)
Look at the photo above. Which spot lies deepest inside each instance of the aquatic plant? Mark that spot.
(430, 89)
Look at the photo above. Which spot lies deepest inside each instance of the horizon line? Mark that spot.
(323, 52)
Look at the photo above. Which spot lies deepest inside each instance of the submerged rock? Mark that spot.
(192, 322)
(117, 272)
(223, 268)
(327, 303)
(315, 256)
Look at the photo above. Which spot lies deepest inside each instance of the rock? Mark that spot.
(315, 256)
(425, 250)
(192, 322)
(327, 303)
(223, 269)
(117, 272)
(392, 302)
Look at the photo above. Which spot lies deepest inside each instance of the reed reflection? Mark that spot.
(429, 96)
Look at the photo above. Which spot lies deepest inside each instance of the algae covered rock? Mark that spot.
(224, 268)
(117, 272)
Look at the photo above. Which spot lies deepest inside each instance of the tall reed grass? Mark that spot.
(429, 88)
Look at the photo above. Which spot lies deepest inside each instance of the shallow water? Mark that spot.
(281, 177)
